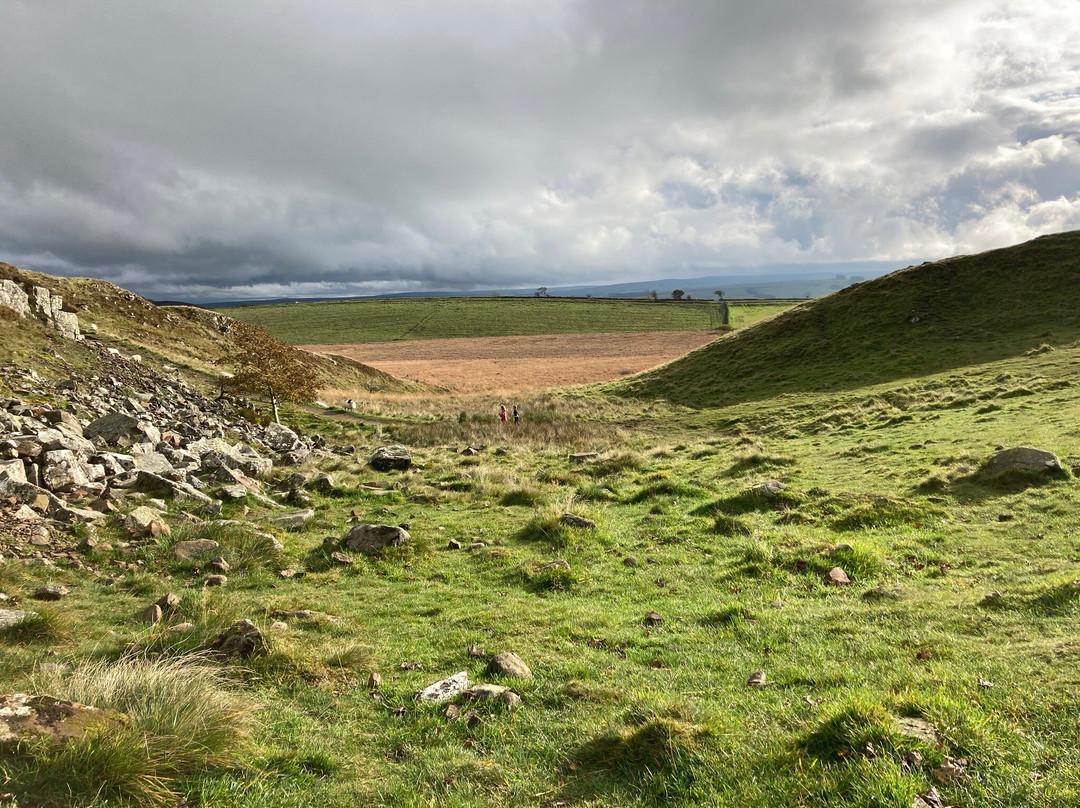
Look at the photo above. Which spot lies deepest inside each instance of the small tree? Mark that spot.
(719, 294)
(654, 294)
(677, 294)
(541, 292)
(265, 366)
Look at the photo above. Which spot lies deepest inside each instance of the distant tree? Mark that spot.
(719, 294)
(265, 366)
(677, 294)
(541, 292)
(654, 294)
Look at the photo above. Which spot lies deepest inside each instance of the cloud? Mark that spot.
(208, 150)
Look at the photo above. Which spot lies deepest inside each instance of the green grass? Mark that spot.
(881, 480)
(349, 321)
(926, 319)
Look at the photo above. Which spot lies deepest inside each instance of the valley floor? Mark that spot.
(522, 363)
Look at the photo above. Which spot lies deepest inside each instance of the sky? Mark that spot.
(258, 148)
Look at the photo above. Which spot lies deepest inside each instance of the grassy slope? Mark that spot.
(919, 320)
(435, 318)
(188, 337)
(620, 713)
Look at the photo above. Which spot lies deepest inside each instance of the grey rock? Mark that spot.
(13, 297)
(1023, 458)
(215, 580)
(63, 471)
(13, 470)
(391, 458)
(572, 520)
(242, 640)
(837, 577)
(510, 665)
(193, 549)
(281, 438)
(445, 690)
(154, 462)
(769, 489)
(34, 718)
(120, 429)
(294, 520)
(50, 593)
(372, 538)
(219, 565)
(12, 617)
(145, 520)
(757, 679)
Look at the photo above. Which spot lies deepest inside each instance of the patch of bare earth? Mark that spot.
(517, 364)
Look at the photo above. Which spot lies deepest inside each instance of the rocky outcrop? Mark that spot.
(46, 305)
(24, 717)
(1023, 459)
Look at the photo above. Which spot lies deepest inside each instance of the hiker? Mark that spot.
(502, 413)
(517, 415)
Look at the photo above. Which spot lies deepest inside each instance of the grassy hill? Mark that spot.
(924, 319)
(329, 322)
(184, 336)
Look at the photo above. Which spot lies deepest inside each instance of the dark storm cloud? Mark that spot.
(260, 148)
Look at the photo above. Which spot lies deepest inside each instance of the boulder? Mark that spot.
(145, 520)
(447, 689)
(12, 617)
(391, 458)
(13, 470)
(294, 520)
(50, 593)
(194, 549)
(373, 538)
(63, 471)
(24, 718)
(769, 489)
(241, 640)
(13, 297)
(281, 438)
(572, 520)
(510, 665)
(1023, 458)
(120, 429)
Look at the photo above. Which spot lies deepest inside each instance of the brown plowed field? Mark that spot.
(516, 364)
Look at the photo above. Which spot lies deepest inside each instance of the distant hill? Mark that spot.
(766, 283)
(923, 319)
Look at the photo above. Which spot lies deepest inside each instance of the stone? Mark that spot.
(64, 419)
(13, 297)
(233, 493)
(918, 728)
(12, 617)
(486, 692)
(320, 482)
(931, 799)
(281, 438)
(373, 538)
(445, 690)
(653, 619)
(215, 580)
(241, 640)
(67, 324)
(152, 614)
(510, 665)
(193, 549)
(168, 602)
(1023, 458)
(453, 544)
(24, 717)
(837, 577)
(294, 520)
(145, 521)
(62, 471)
(153, 461)
(279, 625)
(757, 679)
(158, 486)
(950, 770)
(769, 489)
(120, 429)
(374, 680)
(581, 457)
(50, 593)
(13, 470)
(219, 565)
(572, 520)
(391, 458)
(341, 558)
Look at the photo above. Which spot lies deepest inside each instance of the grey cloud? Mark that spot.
(215, 149)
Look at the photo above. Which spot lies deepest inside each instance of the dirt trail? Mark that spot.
(517, 364)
